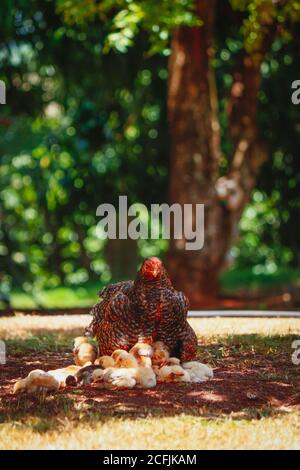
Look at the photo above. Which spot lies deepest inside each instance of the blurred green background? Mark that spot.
(86, 120)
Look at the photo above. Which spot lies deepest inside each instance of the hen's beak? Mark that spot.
(155, 272)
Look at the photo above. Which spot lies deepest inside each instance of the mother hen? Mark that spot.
(147, 309)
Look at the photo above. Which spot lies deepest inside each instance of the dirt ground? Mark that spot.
(241, 382)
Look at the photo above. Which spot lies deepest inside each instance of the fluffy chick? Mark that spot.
(36, 381)
(198, 372)
(172, 361)
(119, 378)
(83, 351)
(85, 374)
(20, 386)
(160, 353)
(124, 359)
(66, 375)
(145, 377)
(105, 362)
(97, 375)
(173, 373)
(143, 353)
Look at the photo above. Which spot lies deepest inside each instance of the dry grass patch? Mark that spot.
(177, 432)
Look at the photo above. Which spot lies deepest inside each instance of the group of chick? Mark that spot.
(143, 366)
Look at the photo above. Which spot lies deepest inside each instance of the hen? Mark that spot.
(148, 309)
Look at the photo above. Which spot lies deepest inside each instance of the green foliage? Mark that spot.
(85, 122)
(126, 18)
(260, 237)
(265, 15)
(71, 145)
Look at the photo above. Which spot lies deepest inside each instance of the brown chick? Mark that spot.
(83, 351)
(85, 374)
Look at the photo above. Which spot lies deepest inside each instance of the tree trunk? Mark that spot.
(195, 153)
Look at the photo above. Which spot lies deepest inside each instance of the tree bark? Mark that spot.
(195, 152)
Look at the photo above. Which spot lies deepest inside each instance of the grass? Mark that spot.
(70, 421)
(60, 297)
(85, 295)
(39, 344)
(240, 279)
(176, 432)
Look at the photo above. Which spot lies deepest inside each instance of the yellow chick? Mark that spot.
(119, 378)
(124, 359)
(66, 375)
(143, 353)
(160, 353)
(37, 381)
(83, 351)
(173, 373)
(20, 386)
(105, 362)
(145, 377)
(198, 372)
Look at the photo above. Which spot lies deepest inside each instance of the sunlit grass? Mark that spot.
(207, 329)
(59, 297)
(171, 432)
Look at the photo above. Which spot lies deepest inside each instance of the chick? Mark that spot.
(85, 374)
(173, 373)
(97, 375)
(37, 381)
(124, 359)
(66, 375)
(83, 351)
(172, 361)
(160, 353)
(145, 377)
(20, 386)
(119, 378)
(198, 372)
(143, 353)
(105, 362)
